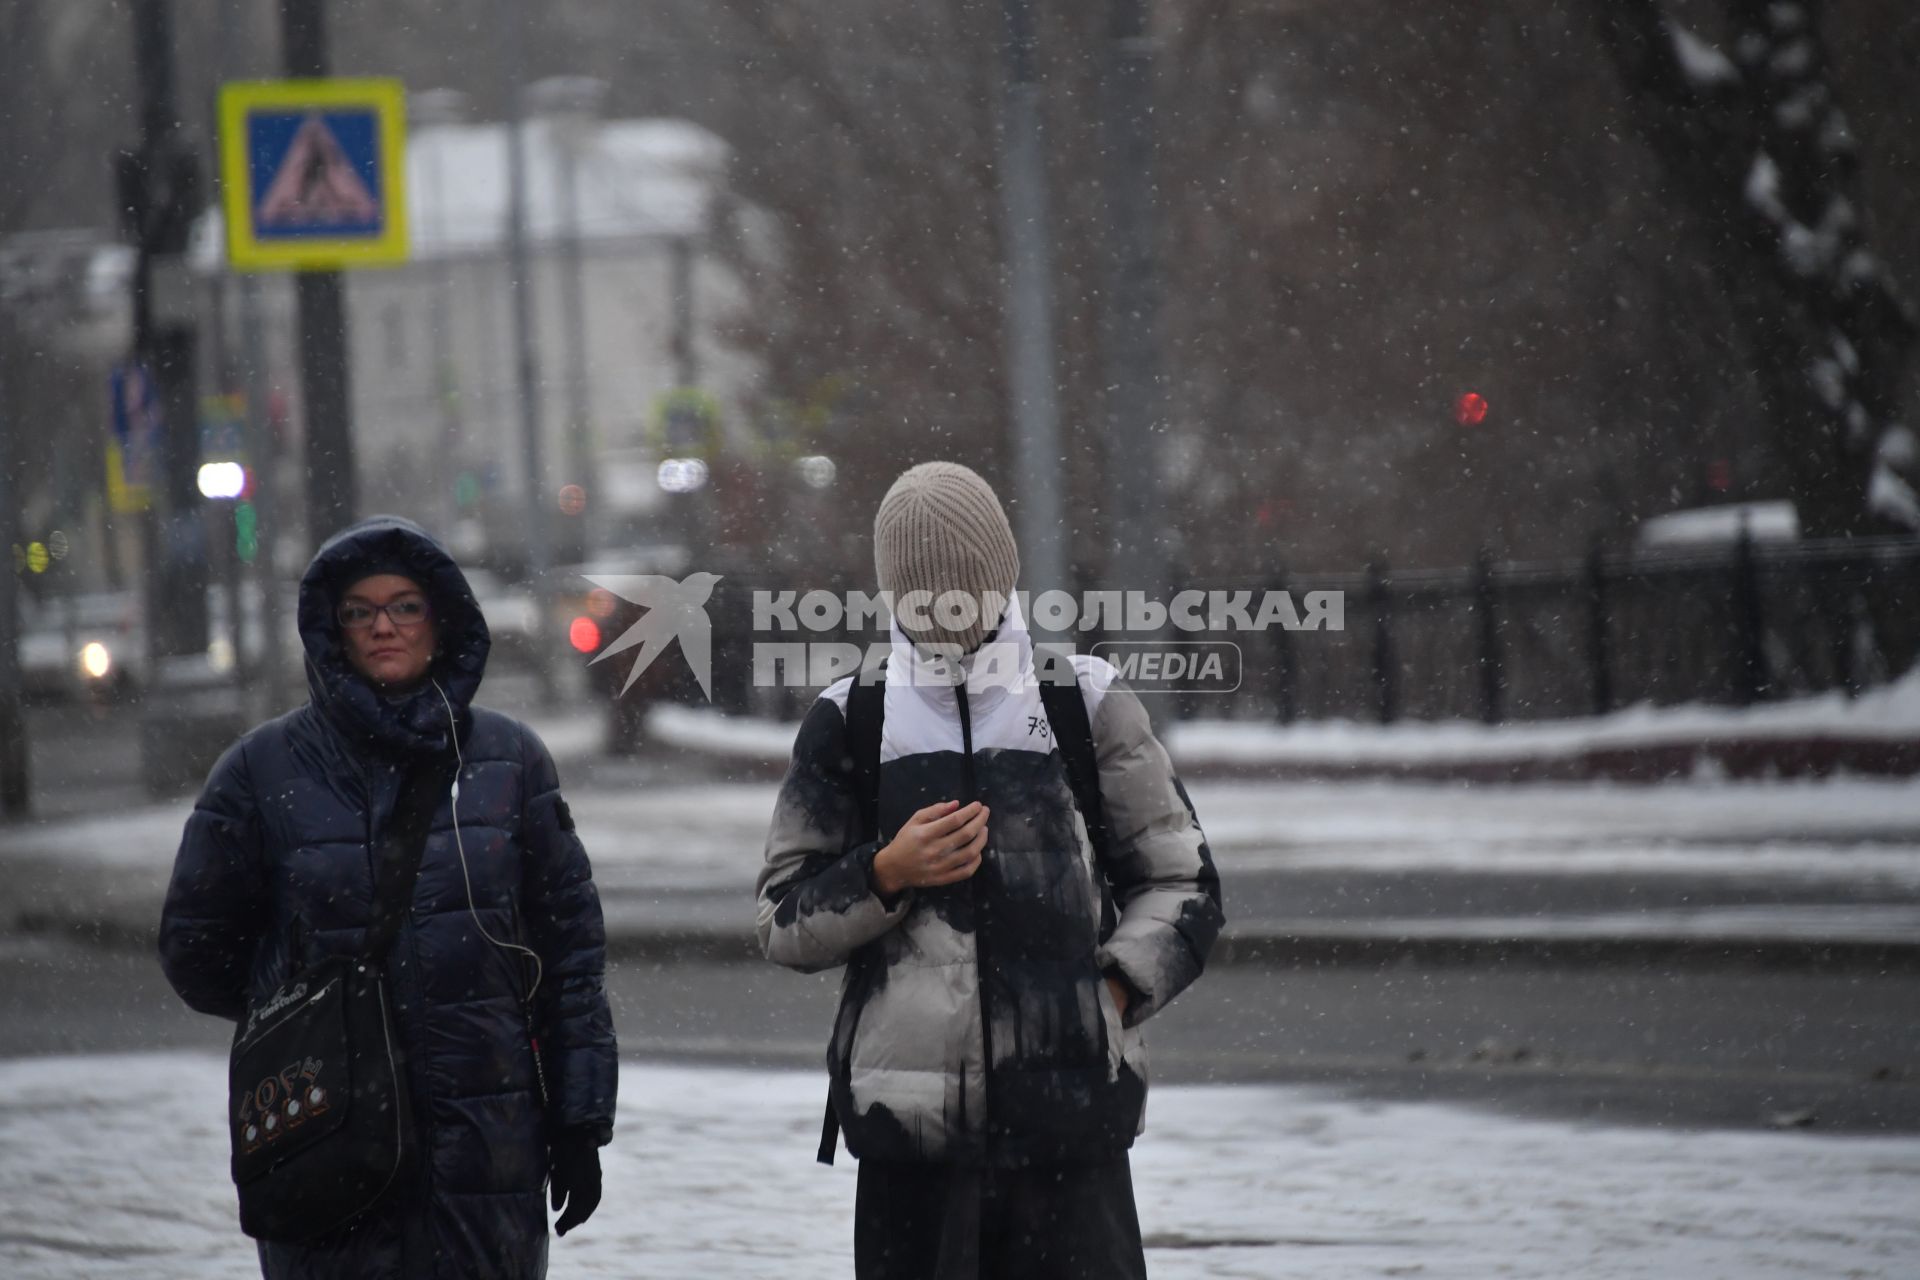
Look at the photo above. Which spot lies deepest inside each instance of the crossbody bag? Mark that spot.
(318, 1106)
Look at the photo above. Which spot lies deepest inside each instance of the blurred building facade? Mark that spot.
(1366, 211)
(629, 301)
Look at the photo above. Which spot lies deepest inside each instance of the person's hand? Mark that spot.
(941, 844)
(1120, 998)
(574, 1177)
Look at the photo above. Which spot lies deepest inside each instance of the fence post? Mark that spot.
(1749, 657)
(1837, 601)
(1492, 676)
(1285, 678)
(1599, 661)
(1384, 682)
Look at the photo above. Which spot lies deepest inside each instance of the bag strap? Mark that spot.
(1073, 734)
(866, 713)
(401, 845)
(829, 1134)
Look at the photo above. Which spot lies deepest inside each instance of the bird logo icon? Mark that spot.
(674, 610)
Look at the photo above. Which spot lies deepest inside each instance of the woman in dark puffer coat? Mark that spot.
(274, 871)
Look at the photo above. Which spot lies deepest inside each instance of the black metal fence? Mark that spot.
(1731, 624)
(1735, 624)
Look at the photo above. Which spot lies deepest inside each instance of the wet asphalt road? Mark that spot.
(1702, 1048)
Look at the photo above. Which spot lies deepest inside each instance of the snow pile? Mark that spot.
(735, 737)
(114, 1168)
(1890, 713)
(1720, 526)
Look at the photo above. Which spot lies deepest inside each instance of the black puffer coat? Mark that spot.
(274, 869)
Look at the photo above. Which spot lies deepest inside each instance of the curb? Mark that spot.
(1652, 763)
(1317, 944)
(1355, 945)
(1379, 949)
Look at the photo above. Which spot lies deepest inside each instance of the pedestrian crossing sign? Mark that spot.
(313, 173)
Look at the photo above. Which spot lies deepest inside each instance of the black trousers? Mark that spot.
(946, 1222)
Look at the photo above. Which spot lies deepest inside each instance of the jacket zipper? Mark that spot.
(979, 920)
(297, 1006)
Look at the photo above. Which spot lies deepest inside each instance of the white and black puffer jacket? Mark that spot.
(974, 1023)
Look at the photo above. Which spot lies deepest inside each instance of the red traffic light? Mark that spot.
(584, 635)
(1470, 410)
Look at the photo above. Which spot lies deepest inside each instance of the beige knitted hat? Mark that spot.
(941, 531)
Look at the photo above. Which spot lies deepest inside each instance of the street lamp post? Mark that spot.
(512, 28)
(571, 106)
(1029, 302)
(426, 110)
(1136, 391)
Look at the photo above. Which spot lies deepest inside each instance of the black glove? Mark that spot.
(574, 1177)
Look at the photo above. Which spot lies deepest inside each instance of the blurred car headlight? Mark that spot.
(96, 660)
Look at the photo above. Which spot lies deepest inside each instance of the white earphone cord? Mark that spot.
(539, 970)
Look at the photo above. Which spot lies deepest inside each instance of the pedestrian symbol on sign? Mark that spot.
(314, 173)
(316, 185)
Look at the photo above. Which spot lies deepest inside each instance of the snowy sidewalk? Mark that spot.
(676, 865)
(114, 1168)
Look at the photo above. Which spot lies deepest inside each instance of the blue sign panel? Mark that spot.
(314, 172)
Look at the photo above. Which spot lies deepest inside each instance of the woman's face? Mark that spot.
(388, 630)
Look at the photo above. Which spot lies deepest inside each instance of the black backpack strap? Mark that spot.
(401, 844)
(866, 713)
(829, 1134)
(1073, 734)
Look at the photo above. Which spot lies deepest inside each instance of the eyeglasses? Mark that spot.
(407, 611)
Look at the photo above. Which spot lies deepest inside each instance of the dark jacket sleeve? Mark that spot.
(816, 901)
(565, 927)
(217, 907)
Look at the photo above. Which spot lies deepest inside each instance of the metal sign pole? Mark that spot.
(16, 791)
(326, 383)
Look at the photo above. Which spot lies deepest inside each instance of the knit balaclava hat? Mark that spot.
(941, 531)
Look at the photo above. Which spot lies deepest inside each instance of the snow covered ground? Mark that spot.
(1889, 713)
(1853, 831)
(1844, 831)
(114, 1168)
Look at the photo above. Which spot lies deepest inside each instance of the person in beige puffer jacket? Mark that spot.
(986, 1065)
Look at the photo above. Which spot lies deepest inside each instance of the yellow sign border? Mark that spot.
(387, 98)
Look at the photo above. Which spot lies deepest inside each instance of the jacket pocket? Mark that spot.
(1124, 1044)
